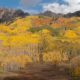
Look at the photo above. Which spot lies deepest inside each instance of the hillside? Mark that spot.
(39, 39)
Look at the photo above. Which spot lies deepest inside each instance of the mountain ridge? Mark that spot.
(7, 14)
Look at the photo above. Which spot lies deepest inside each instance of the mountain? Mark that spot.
(75, 14)
(8, 14)
(50, 14)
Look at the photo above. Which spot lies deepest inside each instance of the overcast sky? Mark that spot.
(35, 6)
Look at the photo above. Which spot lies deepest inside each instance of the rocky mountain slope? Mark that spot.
(52, 14)
(76, 14)
(8, 14)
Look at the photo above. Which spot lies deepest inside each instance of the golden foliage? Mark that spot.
(19, 59)
(70, 34)
(55, 56)
(17, 34)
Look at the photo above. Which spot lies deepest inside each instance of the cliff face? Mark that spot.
(8, 14)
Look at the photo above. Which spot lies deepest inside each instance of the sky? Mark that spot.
(36, 6)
